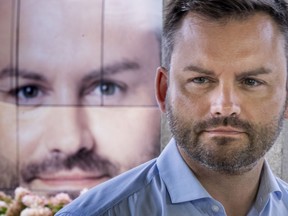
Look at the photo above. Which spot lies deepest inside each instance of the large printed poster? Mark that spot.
(77, 103)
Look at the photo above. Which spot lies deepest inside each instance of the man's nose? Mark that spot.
(225, 102)
(68, 131)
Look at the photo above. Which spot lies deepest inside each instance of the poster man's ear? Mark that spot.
(286, 109)
(161, 87)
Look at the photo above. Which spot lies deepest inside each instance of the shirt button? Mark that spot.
(215, 208)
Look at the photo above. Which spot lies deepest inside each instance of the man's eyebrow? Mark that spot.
(19, 73)
(111, 69)
(198, 70)
(255, 72)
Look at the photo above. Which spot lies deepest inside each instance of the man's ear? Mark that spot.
(286, 112)
(161, 87)
(286, 109)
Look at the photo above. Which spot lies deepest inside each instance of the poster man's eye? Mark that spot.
(27, 92)
(103, 91)
(108, 88)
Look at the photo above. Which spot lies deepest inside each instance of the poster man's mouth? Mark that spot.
(71, 179)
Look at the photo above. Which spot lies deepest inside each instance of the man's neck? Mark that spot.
(236, 193)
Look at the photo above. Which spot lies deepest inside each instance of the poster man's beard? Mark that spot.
(85, 160)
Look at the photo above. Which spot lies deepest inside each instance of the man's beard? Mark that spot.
(85, 160)
(233, 160)
(9, 177)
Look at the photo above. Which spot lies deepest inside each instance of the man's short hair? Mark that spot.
(221, 11)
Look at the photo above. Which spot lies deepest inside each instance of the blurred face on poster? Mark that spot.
(83, 85)
(8, 126)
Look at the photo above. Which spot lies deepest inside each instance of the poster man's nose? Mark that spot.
(69, 132)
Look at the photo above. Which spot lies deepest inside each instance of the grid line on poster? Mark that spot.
(102, 48)
(17, 32)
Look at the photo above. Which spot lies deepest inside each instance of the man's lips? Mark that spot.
(72, 174)
(224, 131)
(73, 178)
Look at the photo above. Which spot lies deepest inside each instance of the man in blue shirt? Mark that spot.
(223, 87)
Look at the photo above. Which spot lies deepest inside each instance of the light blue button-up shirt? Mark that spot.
(166, 186)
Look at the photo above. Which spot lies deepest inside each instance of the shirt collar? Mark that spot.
(268, 186)
(186, 187)
(183, 187)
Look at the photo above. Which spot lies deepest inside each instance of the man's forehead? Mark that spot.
(256, 25)
(132, 13)
(49, 31)
(198, 19)
(148, 12)
(49, 12)
(133, 10)
(231, 43)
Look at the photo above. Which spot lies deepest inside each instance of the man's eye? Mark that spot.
(107, 88)
(27, 92)
(251, 82)
(200, 80)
